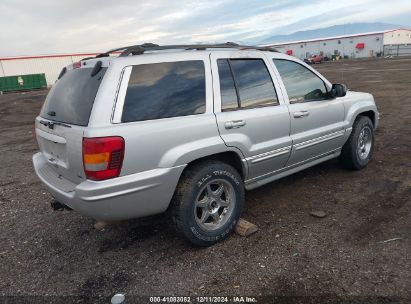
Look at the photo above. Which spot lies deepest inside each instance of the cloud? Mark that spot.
(44, 27)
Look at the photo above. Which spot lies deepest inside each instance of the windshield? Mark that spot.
(71, 98)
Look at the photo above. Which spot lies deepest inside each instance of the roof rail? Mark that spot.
(141, 48)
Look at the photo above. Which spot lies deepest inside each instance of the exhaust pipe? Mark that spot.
(57, 206)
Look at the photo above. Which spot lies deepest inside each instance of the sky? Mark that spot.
(30, 27)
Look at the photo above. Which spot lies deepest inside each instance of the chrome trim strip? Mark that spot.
(296, 165)
(50, 136)
(267, 155)
(319, 140)
(266, 178)
(121, 96)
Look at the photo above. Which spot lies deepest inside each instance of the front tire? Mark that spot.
(208, 202)
(358, 150)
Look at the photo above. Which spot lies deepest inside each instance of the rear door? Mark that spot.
(250, 112)
(317, 126)
(63, 118)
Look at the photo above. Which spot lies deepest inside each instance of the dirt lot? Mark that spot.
(339, 257)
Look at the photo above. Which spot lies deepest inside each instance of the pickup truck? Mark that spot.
(314, 59)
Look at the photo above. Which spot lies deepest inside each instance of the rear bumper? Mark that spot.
(131, 196)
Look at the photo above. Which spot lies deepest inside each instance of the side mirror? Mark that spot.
(338, 90)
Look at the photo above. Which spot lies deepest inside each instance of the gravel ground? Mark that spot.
(294, 255)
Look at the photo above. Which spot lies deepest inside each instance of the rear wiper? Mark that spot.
(51, 124)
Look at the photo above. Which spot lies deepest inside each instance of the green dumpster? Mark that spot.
(23, 83)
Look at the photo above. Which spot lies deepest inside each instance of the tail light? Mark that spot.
(77, 65)
(103, 157)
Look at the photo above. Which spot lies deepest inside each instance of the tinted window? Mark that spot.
(301, 84)
(245, 83)
(71, 98)
(254, 83)
(164, 90)
(229, 98)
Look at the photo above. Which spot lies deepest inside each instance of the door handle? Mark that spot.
(234, 124)
(300, 114)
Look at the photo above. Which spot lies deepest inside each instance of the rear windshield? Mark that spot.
(71, 98)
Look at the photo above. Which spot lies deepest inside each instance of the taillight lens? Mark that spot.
(77, 65)
(103, 157)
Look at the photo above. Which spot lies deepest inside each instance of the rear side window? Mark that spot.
(71, 98)
(229, 98)
(163, 90)
(301, 84)
(245, 83)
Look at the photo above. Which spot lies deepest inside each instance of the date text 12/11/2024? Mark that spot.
(203, 299)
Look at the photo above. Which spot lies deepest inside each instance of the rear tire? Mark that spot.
(208, 202)
(357, 151)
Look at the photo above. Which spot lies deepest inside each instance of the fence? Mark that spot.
(397, 50)
(50, 65)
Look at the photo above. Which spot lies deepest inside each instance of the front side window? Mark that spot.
(164, 90)
(301, 83)
(245, 83)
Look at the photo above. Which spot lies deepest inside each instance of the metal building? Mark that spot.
(392, 42)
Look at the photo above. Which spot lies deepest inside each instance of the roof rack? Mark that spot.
(142, 48)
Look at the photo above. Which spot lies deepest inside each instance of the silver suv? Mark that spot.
(189, 128)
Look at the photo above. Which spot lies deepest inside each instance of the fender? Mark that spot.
(194, 150)
(356, 103)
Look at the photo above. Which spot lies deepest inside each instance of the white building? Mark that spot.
(50, 65)
(393, 42)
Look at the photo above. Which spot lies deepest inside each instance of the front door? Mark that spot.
(316, 118)
(251, 116)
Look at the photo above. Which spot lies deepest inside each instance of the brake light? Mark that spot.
(77, 65)
(103, 157)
